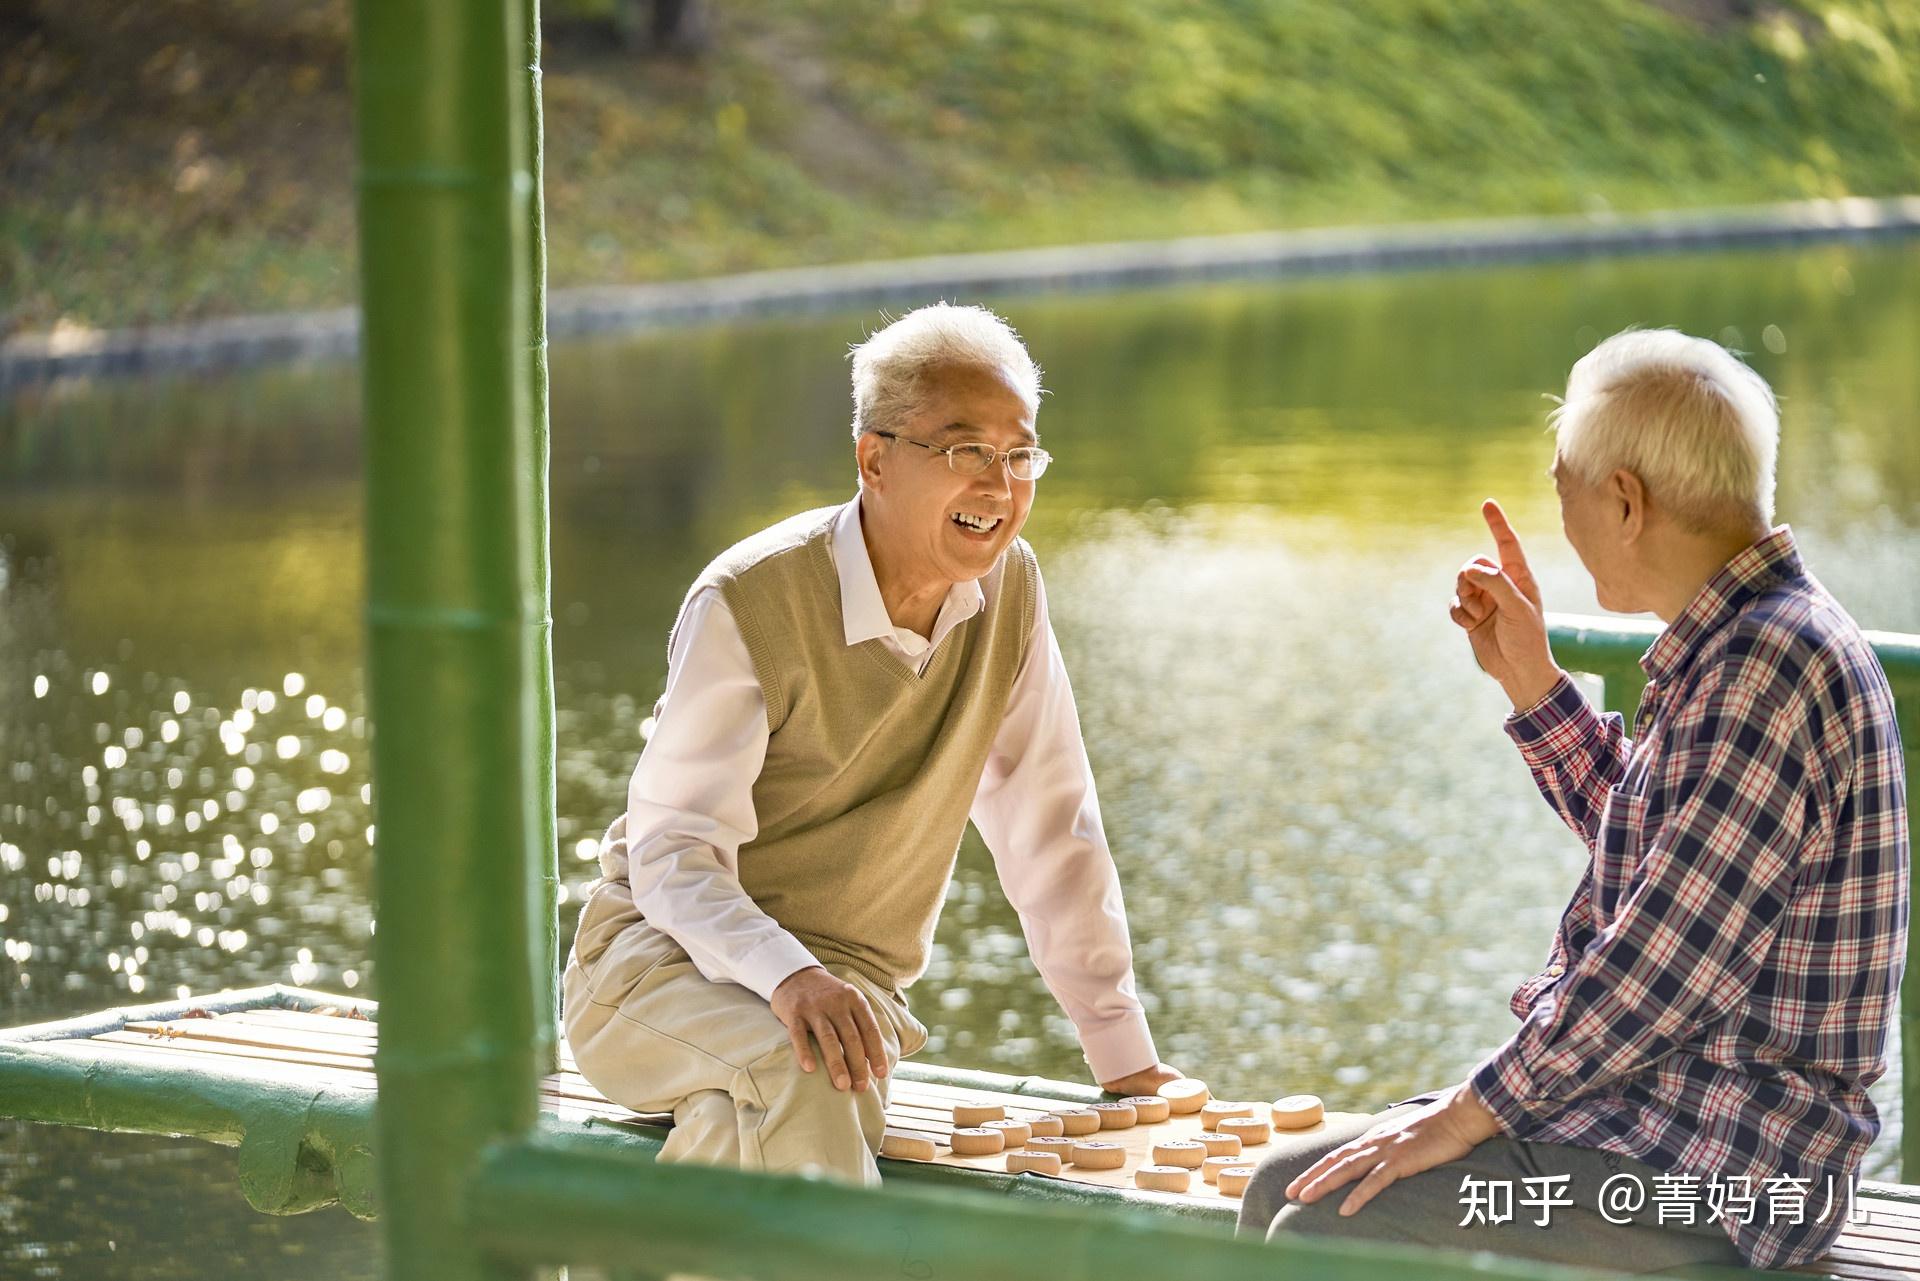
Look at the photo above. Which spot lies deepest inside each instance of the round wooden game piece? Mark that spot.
(1233, 1180)
(1181, 1152)
(1099, 1156)
(906, 1147)
(1163, 1178)
(1185, 1095)
(1218, 1144)
(1149, 1109)
(969, 1115)
(1298, 1112)
(1016, 1133)
(1062, 1148)
(972, 1141)
(1213, 1113)
(1252, 1131)
(1033, 1163)
(1046, 1127)
(1078, 1121)
(1116, 1116)
(1210, 1171)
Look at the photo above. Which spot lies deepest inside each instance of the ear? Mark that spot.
(1629, 498)
(867, 453)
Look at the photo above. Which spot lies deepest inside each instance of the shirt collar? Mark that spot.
(1773, 559)
(863, 613)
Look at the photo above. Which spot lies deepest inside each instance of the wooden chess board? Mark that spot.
(1882, 1244)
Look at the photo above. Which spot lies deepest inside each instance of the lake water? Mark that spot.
(1335, 865)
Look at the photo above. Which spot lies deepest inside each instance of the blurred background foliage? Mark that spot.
(180, 158)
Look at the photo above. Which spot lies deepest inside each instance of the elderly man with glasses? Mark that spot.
(844, 690)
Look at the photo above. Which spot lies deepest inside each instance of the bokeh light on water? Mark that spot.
(177, 837)
(1335, 866)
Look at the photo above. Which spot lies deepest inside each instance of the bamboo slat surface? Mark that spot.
(1883, 1244)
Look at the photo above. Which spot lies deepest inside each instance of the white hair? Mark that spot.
(1698, 427)
(889, 368)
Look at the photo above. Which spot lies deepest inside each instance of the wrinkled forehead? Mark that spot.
(964, 403)
(961, 430)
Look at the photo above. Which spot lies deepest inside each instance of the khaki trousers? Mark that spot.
(652, 1033)
(1428, 1210)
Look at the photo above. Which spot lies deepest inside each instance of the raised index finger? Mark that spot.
(1512, 559)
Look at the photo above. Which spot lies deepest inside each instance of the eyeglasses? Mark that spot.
(1024, 462)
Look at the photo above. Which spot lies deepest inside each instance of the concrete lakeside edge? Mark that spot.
(333, 334)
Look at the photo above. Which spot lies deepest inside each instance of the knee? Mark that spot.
(1413, 1211)
(1266, 1191)
(581, 1022)
(796, 1121)
(1320, 1218)
(777, 1083)
(706, 1130)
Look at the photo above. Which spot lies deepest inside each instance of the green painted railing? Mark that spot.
(1611, 649)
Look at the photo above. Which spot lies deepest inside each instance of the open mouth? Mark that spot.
(980, 526)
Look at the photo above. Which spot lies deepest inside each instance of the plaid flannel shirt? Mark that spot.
(1720, 990)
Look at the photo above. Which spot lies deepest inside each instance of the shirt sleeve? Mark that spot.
(1037, 811)
(1575, 753)
(690, 807)
(1696, 920)
(1569, 940)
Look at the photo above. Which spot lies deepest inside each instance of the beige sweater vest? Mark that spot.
(871, 769)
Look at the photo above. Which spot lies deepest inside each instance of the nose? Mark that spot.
(997, 479)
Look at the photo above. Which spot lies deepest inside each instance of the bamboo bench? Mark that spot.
(287, 1076)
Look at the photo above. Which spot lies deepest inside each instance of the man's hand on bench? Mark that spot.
(837, 1015)
(1444, 1130)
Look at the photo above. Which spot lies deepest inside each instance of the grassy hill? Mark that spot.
(181, 158)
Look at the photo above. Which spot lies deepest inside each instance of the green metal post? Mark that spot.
(545, 836)
(1900, 655)
(1609, 649)
(441, 124)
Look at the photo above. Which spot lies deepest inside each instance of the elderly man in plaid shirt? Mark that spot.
(1719, 993)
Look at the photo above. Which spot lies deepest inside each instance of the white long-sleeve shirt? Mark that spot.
(690, 809)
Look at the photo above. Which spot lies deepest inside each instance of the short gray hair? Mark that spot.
(1698, 427)
(889, 368)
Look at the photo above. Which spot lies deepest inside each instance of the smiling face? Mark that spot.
(934, 524)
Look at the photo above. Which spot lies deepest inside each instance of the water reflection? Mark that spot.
(1335, 866)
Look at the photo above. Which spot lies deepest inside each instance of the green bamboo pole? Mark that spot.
(441, 127)
(553, 1197)
(545, 836)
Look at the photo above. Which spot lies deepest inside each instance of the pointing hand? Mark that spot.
(1497, 604)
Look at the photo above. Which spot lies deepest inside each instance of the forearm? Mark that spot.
(1476, 1121)
(1039, 813)
(1056, 870)
(685, 890)
(1574, 753)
